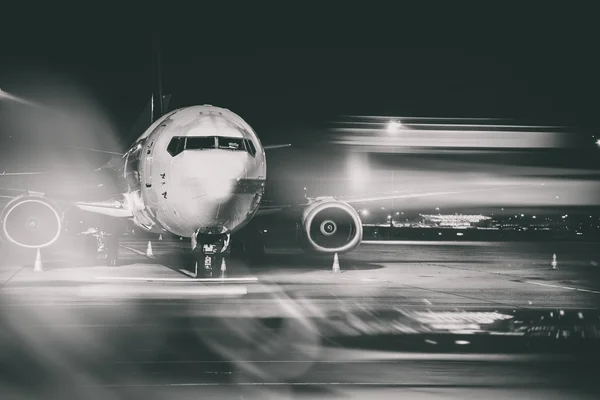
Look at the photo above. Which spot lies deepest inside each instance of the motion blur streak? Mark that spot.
(65, 112)
(365, 138)
(11, 97)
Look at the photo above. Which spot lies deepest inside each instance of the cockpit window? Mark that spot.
(200, 143)
(176, 145)
(250, 147)
(231, 143)
(180, 143)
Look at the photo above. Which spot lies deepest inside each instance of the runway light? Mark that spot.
(598, 142)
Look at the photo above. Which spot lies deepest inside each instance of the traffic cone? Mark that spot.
(336, 263)
(149, 250)
(160, 237)
(37, 265)
(223, 268)
(554, 263)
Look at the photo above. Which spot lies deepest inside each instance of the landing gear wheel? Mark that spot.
(208, 253)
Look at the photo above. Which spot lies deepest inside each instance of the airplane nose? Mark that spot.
(214, 176)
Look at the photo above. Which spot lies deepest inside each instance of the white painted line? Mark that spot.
(148, 279)
(563, 287)
(429, 243)
(101, 291)
(141, 253)
(188, 273)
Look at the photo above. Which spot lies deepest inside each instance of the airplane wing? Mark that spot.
(113, 208)
(24, 173)
(266, 210)
(276, 146)
(405, 194)
(271, 209)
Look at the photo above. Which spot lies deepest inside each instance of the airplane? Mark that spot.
(197, 172)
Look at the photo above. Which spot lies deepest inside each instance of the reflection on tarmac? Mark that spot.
(424, 321)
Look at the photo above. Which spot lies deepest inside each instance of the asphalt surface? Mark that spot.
(424, 320)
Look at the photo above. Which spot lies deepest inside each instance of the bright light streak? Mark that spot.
(358, 171)
(8, 96)
(393, 126)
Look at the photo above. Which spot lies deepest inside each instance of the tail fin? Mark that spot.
(158, 104)
(158, 108)
(145, 119)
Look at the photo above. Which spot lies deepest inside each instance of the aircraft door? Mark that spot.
(149, 154)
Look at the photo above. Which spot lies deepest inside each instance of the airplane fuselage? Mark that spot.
(196, 169)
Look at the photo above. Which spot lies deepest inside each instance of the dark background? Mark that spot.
(291, 71)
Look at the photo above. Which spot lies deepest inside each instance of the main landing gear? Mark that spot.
(99, 242)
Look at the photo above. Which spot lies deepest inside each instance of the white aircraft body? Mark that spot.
(197, 172)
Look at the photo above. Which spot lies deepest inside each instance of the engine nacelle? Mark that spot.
(330, 226)
(31, 221)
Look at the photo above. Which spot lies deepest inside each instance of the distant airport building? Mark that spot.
(454, 220)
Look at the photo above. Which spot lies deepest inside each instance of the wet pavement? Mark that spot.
(424, 321)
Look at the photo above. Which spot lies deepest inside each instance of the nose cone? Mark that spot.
(213, 174)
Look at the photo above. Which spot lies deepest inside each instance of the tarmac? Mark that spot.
(423, 319)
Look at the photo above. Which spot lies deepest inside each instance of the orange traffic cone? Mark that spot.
(336, 263)
(149, 250)
(554, 263)
(37, 265)
(223, 268)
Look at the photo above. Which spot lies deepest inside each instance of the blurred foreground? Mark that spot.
(428, 319)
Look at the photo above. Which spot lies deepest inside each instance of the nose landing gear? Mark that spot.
(209, 251)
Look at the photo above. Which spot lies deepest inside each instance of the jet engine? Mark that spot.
(330, 226)
(31, 221)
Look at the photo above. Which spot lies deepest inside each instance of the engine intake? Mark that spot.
(331, 226)
(31, 221)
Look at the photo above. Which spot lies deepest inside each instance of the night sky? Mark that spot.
(291, 75)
